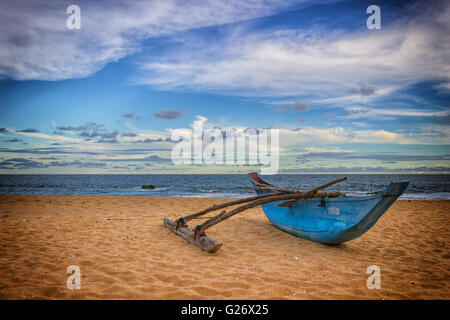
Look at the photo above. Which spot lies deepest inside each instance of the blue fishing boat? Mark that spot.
(324, 216)
(329, 220)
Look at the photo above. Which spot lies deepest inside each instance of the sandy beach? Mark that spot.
(124, 252)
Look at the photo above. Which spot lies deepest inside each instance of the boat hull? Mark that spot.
(336, 220)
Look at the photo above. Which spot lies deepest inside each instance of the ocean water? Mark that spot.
(430, 187)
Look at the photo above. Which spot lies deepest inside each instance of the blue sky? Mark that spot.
(104, 98)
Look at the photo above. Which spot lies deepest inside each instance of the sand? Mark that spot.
(124, 252)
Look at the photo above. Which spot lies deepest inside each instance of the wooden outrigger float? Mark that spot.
(323, 216)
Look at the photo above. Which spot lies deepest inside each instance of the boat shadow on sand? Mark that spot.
(264, 234)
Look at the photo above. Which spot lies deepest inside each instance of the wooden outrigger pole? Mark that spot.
(197, 235)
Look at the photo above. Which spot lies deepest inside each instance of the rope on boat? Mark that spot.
(180, 222)
(198, 231)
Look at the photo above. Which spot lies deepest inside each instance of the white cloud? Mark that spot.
(332, 150)
(411, 113)
(35, 44)
(445, 85)
(201, 118)
(327, 136)
(306, 137)
(380, 113)
(45, 136)
(293, 62)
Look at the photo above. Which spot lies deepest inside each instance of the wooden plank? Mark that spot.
(326, 185)
(224, 205)
(203, 242)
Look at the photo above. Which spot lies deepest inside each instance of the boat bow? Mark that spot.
(334, 220)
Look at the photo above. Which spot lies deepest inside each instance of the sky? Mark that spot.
(107, 97)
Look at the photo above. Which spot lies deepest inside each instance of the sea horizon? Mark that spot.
(421, 187)
(199, 174)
